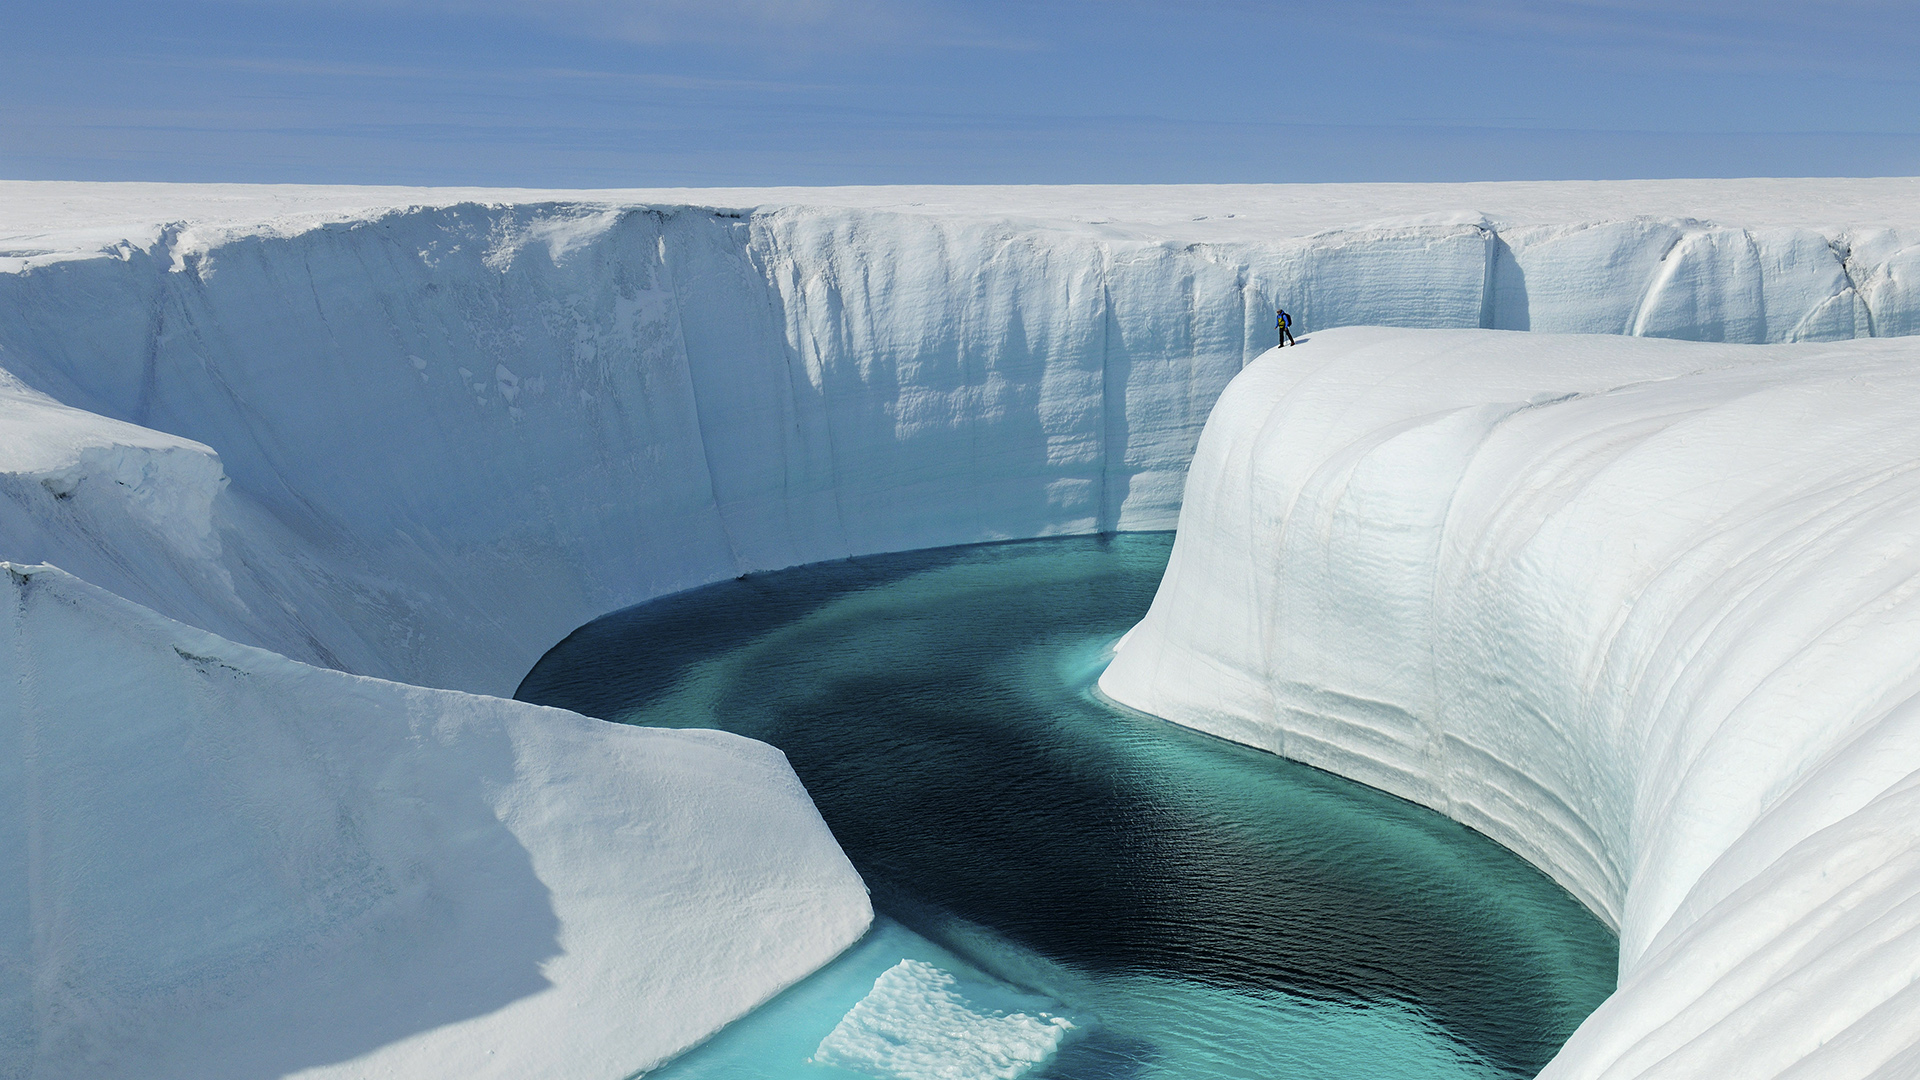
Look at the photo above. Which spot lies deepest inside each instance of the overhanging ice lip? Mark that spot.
(1647, 613)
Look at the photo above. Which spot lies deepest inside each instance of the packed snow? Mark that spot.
(1644, 612)
(420, 435)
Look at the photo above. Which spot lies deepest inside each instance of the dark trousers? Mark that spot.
(1286, 336)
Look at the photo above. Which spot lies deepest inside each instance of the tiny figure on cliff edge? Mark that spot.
(1283, 323)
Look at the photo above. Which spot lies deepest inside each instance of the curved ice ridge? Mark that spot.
(1644, 612)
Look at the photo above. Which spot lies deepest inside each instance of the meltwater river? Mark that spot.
(1079, 892)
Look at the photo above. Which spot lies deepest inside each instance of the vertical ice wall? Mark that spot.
(1643, 612)
(454, 433)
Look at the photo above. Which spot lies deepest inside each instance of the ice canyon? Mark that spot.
(296, 478)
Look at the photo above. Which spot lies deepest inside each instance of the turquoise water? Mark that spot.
(1186, 907)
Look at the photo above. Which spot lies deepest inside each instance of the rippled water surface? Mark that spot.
(1190, 907)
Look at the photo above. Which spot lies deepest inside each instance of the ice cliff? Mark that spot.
(421, 435)
(1644, 612)
(458, 428)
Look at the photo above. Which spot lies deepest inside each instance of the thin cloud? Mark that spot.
(334, 70)
(1841, 37)
(314, 68)
(809, 25)
(1875, 38)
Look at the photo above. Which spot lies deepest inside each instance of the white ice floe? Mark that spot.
(1647, 613)
(918, 1024)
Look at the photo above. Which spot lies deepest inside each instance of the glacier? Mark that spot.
(1641, 611)
(409, 438)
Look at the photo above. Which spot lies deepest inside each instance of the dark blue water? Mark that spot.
(1197, 908)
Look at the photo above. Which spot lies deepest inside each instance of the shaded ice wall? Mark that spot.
(455, 433)
(1644, 612)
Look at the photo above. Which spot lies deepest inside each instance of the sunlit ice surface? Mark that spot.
(1069, 889)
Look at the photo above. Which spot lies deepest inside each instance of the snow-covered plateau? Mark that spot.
(420, 435)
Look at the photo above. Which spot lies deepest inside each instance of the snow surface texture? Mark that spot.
(459, 424)
(1647, 613)
(420, 435)
(917, 1024)
(235, 865)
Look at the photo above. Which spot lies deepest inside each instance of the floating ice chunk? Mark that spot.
(916, 1024)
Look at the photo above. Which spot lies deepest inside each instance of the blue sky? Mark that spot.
(684, 92)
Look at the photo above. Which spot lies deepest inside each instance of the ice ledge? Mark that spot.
(1647, 613)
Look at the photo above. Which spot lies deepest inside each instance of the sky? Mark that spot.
(649, 93)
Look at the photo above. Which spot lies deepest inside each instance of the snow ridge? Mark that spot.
(220, 863)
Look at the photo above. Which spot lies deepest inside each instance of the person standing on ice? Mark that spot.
(1283, 323)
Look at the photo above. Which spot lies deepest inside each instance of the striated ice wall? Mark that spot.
(1644, 612)
(454, 432)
